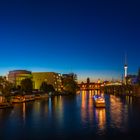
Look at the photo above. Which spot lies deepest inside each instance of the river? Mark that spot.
(72, 117)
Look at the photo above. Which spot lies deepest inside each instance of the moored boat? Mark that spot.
(6, 105)
(29, 98)
(17, 99)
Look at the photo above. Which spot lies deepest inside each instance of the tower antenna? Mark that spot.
(125, 59)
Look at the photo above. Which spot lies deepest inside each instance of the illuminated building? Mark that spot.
(132, 79)
(70, 75)
(51, 78)
(16, 76)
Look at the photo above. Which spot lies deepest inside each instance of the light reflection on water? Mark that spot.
(87, 113)
(91, 116)
(83, 106)
(101, 119)
(116, 111)
(67, 116)
(24, 112)
(58, 109)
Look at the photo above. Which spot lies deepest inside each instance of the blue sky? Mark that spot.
(88, 37)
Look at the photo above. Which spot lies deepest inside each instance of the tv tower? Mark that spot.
(125, 69)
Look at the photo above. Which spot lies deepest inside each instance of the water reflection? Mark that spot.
(101, 118)
(64, 117)
(83, 106)
(87, 107)
(118, 112)
(24, 112)
(58, 106)
(91, 116)
(129, 100)
(50, 105)
(90, 106)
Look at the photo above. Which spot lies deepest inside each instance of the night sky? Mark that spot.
(87, 37)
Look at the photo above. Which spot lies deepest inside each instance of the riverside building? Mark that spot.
(49, 77)
(16, 76)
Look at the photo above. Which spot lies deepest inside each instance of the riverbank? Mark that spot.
(8, 101)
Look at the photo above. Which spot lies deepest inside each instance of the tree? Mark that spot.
(69, 85)
(27, 85)
(47, 87)
(51, 88)
(5, 87)
(44, 87)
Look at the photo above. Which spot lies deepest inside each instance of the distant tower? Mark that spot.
(88, 80)
(125, 69)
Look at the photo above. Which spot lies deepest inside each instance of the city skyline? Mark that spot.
(81, 76)
(89, 37)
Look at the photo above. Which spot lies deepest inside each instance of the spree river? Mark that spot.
(71, 117)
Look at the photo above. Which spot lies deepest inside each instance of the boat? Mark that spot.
(17, 99)
(6, 105)
(21, 99)
(29, 98)
(37, 96)
(99, 101)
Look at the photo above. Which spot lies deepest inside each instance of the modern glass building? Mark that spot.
(16, 76)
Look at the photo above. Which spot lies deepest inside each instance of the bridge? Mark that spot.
(90, 85)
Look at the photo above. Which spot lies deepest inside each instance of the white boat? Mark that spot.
(99, 101)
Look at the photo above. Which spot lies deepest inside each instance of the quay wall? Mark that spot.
(130, 90)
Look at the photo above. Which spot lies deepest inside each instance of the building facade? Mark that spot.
(70, 75)
(16, 76)
(49, 77)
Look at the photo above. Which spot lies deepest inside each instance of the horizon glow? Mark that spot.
(89, 37)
